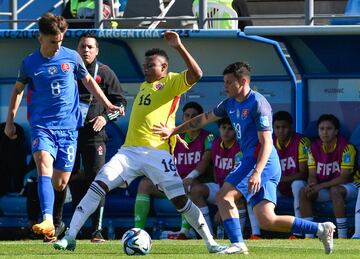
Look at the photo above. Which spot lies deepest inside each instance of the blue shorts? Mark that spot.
(61, 144)
(270, 178)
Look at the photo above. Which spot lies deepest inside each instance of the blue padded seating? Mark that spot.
(13, 204)
(352, 9)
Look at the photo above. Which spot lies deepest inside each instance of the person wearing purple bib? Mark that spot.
(257, 177)
(331, 167)
(53, 111)
(292, 149)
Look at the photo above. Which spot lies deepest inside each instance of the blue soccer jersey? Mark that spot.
(248, 117)
(53, 97)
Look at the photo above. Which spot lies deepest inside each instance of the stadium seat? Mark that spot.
(182, 10)
(352, 9)
(215, 10)
(155, 8)
(13, 204)
(140, 9)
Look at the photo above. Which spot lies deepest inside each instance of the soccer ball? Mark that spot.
(136, 241)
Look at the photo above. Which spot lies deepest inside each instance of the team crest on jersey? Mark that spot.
(52, 70)
(35, 142)
(100, 150)
(159, 86)
(244, 114)
(65, 67)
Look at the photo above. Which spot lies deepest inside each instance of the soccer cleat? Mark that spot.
(49, 239)
(327, 236)
(97, 237)
(66, 243)
(215, 249)
(235, 249)
(254, 237)
(45, 228)
(293, 237)
(59, 230)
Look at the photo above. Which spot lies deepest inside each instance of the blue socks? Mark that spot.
(46, 195)
(233, 230)
(304, 226)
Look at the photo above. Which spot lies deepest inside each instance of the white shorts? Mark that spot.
(131, 162)
(351, 193)
(214, 188)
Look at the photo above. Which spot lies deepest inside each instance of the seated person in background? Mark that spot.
(225, 155)
(331, 166)
(357, 206)
(188, 163)
(292, 149)
(241, 8)
(84, 9)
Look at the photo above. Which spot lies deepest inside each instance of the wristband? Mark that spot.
(193, 174)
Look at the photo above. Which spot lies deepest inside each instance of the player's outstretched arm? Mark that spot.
(194, 72)
(15, 99)
(95, 90)
(195, 123)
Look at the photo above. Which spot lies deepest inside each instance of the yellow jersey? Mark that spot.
(156, 103)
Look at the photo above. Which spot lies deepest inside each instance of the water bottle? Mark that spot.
(111, 230)
(220, 232)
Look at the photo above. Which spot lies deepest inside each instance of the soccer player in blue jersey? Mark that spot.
(259, 172)
(53, 111)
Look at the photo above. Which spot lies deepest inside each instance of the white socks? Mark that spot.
(295, 187)
(205, 212)
(86, 207)
(255, 229)
(195, 218)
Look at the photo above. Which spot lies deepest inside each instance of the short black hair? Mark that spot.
(283, 116)
(158, 52)
(193, 105)
(238, 69)
(51, 24)
(329, 117)
(89, 35)
(224, 120)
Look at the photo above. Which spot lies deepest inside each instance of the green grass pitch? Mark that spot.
(266, 248)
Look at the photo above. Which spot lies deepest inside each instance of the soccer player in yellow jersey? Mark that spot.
(145, 153)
